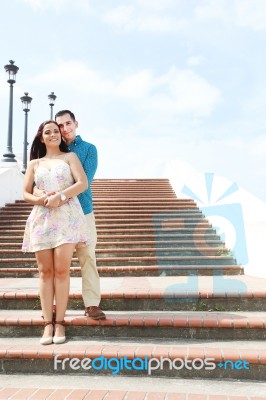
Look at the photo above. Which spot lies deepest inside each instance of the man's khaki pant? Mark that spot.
(90, 278)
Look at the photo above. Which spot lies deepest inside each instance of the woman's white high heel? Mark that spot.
(59, 339)
(47, 339)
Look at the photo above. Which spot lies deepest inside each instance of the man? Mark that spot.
(87, 153)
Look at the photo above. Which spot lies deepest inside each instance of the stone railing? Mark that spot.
(11, 181)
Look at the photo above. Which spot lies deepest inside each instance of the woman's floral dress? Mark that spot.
(47, 228)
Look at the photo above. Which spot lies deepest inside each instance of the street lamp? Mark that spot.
(51, 98)
(11, 69)
(26, 100)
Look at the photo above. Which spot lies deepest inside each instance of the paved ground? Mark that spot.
(235, 284)
(239, 388)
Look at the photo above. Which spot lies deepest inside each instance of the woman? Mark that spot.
(56, 223)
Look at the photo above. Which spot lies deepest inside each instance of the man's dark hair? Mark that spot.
(63, 112)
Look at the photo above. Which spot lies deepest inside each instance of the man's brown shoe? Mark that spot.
(94, 312)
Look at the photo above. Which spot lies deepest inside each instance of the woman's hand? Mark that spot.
(41, 199)
(52, 201)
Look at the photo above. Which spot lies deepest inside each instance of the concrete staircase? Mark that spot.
(170, 288)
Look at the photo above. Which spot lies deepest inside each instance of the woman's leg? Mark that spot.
(45, 261)
(62, 261)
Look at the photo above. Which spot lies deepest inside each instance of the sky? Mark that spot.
(149, 81)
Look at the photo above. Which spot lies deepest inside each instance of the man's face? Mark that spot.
(67, 127)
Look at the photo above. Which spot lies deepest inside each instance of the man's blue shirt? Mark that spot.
(87, 154)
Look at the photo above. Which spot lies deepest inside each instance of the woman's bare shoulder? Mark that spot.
(72, 156)
(33, 163)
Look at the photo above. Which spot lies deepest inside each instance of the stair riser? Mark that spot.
(132, 332)
(129, 224)
(153, 304)
(165, 205)
(46, 366)
(128, 245)
(187, 234)
(127, 212)
(119, 214)
(160, 272)
(110, 210)
(161, 244)
(138, 222)
(135, 262)
(144, 242)
(102, 253)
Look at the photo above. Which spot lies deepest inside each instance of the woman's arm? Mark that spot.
(81, 183)
(28, 186)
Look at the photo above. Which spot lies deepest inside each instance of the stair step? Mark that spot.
(190, 261)
(138, 270)
(182, 251)
(184, 233)
(132, 220)
(127, 225)
(166, 277)
(153, 388)
(105, 394)
(116, 209)
(197, 238)
(158, 244)
(28, 356)
(128, 202)
(153, 324)
(116, 216)
(165, 293)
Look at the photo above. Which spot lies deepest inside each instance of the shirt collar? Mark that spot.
(76, 141)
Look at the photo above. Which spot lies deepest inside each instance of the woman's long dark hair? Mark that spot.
(38, 149)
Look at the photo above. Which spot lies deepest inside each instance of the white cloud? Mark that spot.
(244, 13)
(121, 16)
(57, 5)
(156, 23)
(85, 80)
(77, 76)
(258, 146)
(251, 13)
(231, 157)
(195, 60)
(174, 92)
(184, 92)
(40, 4)
(211, 9)
(129, 18)
(157, 5)
(135, 85)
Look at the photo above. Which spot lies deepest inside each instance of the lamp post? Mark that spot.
(26, 100)
(51, 98)
(11, 69)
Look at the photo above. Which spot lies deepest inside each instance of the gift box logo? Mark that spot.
(227, 219)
